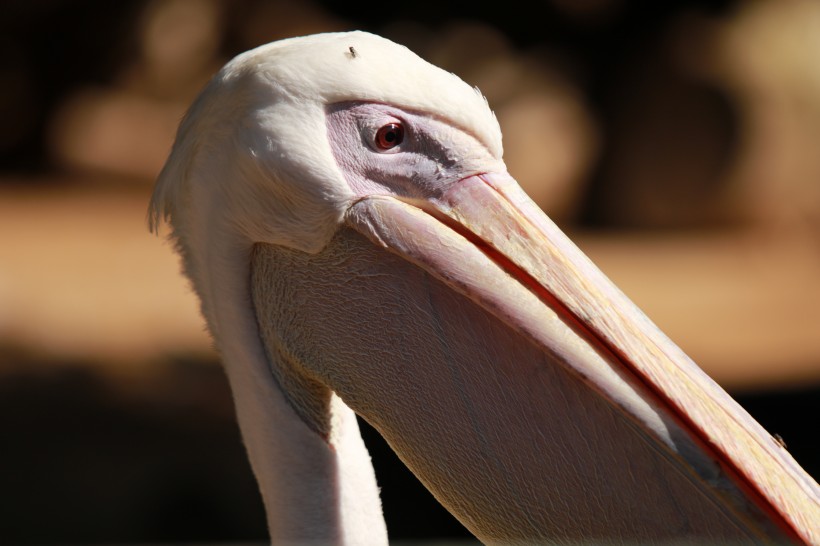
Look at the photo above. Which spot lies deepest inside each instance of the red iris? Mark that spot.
(389, 136)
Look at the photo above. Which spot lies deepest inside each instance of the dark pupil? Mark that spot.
(389, 136)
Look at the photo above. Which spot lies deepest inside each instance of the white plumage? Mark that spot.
(344, 213)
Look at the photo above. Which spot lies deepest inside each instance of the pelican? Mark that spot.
(345, 216)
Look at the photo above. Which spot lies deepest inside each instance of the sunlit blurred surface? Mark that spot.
(675, 143)
(81, 279)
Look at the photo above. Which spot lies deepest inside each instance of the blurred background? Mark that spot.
(677, 143)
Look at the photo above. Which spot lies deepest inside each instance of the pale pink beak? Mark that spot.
(485, 239)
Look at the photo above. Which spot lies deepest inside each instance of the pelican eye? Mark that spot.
(389, 136)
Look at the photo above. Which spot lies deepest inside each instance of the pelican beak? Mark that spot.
(638, 443)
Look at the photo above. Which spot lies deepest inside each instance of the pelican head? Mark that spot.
(345, 216)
